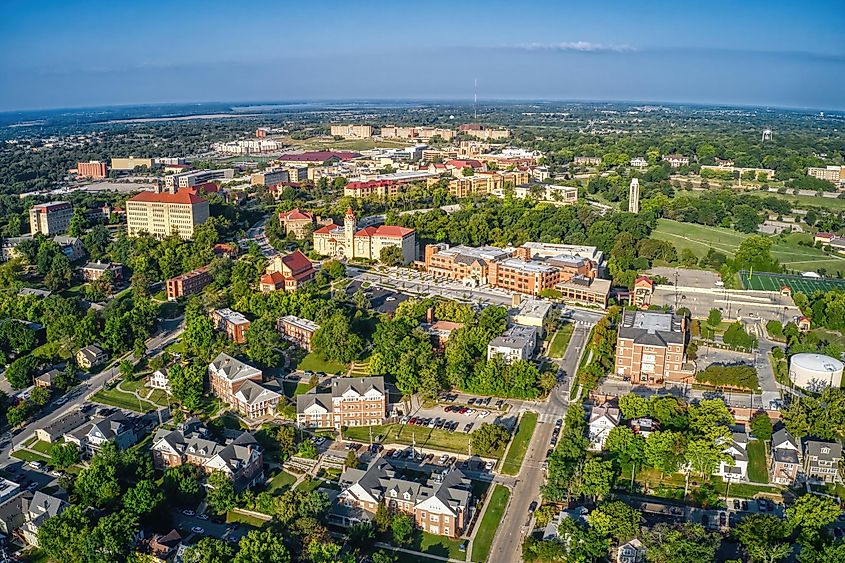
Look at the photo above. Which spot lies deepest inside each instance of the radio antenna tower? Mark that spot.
(475, 102)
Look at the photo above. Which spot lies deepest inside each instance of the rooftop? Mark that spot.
(183, 197)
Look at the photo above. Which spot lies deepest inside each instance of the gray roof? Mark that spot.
(651, 328)
(35, 292)
(232, 368)
(814, 449)
(517, 336)
(782, 436)
(305, 400)
(785, 456)
(193, 439)
(252, 391)
(361, 385)
(44, 506)
(91, 352)
(65, 424)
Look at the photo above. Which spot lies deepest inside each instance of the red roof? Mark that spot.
(325, 230)
(644, 279)
(391, 231)
(296, 214)
(274, 279)
(319, 156)
(825, 235)
(297, 262)
(181, 196)
(366, 232)
(207, 187)
(469, 163)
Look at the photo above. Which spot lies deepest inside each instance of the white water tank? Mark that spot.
(814, 372)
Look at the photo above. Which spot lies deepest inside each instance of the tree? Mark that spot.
(761, 426)
(199, 332)
(664, 450)
(391, 256)
(764, 537)
(307, 449)
(687, 543)
(402, 528)
(488, 438)
(221, 496)
(327, 552)
(98, 485)
(616, 520)
(383, 557)
(17, 414)
(63, 456)
(625, 444)
(714, 317)
(810, 513)
(599, 478)
(186, 384)
(360, 535)
(20, 372)
(286, 438)
(143, 498)
(263, 341)
(39, 396)
(182, 484)
(262, 546)
(210, 550)
(335, 340)
(64, 537)
(351, 459)
(634, 406)
(383, 518)
(707, 414)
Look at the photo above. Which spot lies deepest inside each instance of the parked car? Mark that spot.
(499, 404)
(188, 512)
(471, 401)
(444, 458)
(488, 466)
(468, 427)
(197, 530)
(532, 507)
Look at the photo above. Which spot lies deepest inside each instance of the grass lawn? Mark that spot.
(292, 388)
(561, 340)
(26, 455)
(496, 503)
(282, 480)
(314, 362)
(757, 470)
(116, 398)
(42, 447)
(437, 545)
(700, 238)
(519, 444)
(456, 442)
(177, 347)
(234, 517)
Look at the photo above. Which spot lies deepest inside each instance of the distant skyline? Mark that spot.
(73, 53)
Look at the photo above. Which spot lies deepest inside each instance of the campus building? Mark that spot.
(191, 179)
(300, 223)
(239, 384)
(232, 323)
(92, 169)
(367, 243)
(481, 132)
(51, 218)
(163, 214)
(352, 401)
(385, 185)
(288, 272)
(297, 330)
(587, 160)
(834, 174)
(130, 163)
(651, 348)
(188, 283)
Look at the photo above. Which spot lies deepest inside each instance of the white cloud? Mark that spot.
(579, 46)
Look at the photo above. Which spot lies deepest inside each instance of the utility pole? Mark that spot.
(475, 102)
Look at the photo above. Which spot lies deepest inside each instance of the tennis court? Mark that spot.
(766, 281)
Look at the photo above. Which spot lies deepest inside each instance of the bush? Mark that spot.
(742, 376)
(489, 438)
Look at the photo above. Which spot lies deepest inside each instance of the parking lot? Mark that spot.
(458, 413)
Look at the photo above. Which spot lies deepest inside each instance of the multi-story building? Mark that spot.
(130, 163)
(834, 174)
(534, 312)
(240, 458)
(350, 131)
(639, 162)
(191, 179)
(367, 243)
(481, 132)
(463, 263)
(676, 160)
(92, 169)
(42, 507)
(72, 247)
(524, 276)
(163, 214)
(651, 348)
(491, 182)
(117, 428)
(297, 173)
(603, 419)
(821, 461)
(317, 158)
(93, 271)
(297, 330)
(159, 380)
(759, 173)
(385, 185)
(50, 218)
(352, 401)
(188, 283)
(232, 323)
(239, 384)
(288, 272)
(516, 343)
(300, 223)
(440, 505)
(90, 356)
(269, 178)
(736, 469)
(421, 133)
(587, 160)
(557, 195)
(786, 458)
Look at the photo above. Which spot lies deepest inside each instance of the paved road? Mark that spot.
(170, 329)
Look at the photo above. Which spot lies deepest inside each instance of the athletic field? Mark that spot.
(765, 281)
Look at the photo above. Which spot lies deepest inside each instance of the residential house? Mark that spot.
(239, 384)
(440, 504)
(516, 343)
(644, 426)
(61, 426)
(118, 428)
(603, 419)
(42, 507)
(736, 469)
(821, 461)
(92, 271)
(289, 272)
(632, 551)
(46, 379)
(786, 462)
(13, 511)
(90, 357)
(162, 548)
(353, 401)
(158, 380)
(297, 330)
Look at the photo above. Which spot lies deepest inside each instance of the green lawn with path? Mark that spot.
(235, 517)
(519, 444)
(26, 455)
(497, 501)
(757, 470)
(314, 362)
(561, 340)
(280, 481)
(117, 398)
(456, 442)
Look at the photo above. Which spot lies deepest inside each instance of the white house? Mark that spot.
(603, 419)
(631, 552)
(158, 380)
(738, 450)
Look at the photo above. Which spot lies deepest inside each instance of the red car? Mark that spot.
(412, 421)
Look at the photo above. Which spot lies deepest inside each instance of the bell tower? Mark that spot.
(349, 224)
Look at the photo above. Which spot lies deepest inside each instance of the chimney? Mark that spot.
(516, 299)
(429, 315)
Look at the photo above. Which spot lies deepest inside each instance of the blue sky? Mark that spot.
(69, 53)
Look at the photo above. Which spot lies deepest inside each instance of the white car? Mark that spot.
(188, 512)
(488, 466)
(197, 530)
(444, 458)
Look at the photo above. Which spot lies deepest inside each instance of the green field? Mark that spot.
(281, 481)
(313, 362)
(497, 501)
(561, 340)
(519, 444)
(766, 281)
(456, 442)
(116, 398)
(757, 470)
(700, 238)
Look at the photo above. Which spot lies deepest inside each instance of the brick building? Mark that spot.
(232, 323)
(297, 330)
(651, 348)
(92, 169)
(51, 218)
(239, 384)
(352, 401)
(288, 272)
(188, 283)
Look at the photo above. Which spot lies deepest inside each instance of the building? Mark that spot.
(735, 470)
(159, 380)
(632, 551)
(232, 323)
(41, 508)
(833, 174)
(516, 343)
(587, 161)
(117, 428)
(489, 182)
(814, 372)
(634, 196)
(534, 312)
(352, 401)
(300, 223)
(639, 162)
(161, 548)
(131, 163)
(557, 195)
(421, 133)
(676, 160)
(50, 218)
(440, 504)
(288, 272)
(297, 330)
(481, 132)
(72, 247)
(316, 158)
(61, 426)
(643, 290)
(92, 169)
(350, 131)
(163, 214)
(440, 332)
(367, 243)
(47, 378)
(603, 419)
(584, 290)
(269, 178)
(524, 276)
(248, 146)
(240, 457)
(651, 348)
(821, 461)
(385, 185)
(188, 283)
(759, 173)
(786, 463)
(191, 179)
(239, 384)
(90, 356)
(93, 271)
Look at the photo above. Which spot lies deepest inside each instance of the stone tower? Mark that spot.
(349, 224)
(634, 196)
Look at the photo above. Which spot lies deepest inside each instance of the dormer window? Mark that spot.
(825, 450)
(407, 496)
(393, 494)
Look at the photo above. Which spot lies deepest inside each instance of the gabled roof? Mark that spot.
(306, 400)
(251, 392)
(783, 439)
(297, 262)
(233, 369)
(327, 229)
(393, 231)
(181, 197)
(360, 385)
(296, 215)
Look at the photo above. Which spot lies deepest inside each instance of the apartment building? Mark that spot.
(651, 348)
(93, 271)
(463, 263)
(288, 272)
(350, 131)
(232, 323)
(603, 419)
(350, 242)
(239, 384)
(440, 505)
(785, 462)
(297, 330)
(735, 470)
(676, 160)
(269, 178)
(516, 343)
(191, 179)
(163, 214)
(352, 401)
(523, 276)
(240, 458)
(385, 185)
(51, 218)
(93, 169)
(90, 356)
(188, 283)
(487, 182)
(481, 132)
(834, 174)
(587, 160)
(821, 461)
(130, 163)
(316, 158)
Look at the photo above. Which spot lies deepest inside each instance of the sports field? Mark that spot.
(766, 281)
(700, 238)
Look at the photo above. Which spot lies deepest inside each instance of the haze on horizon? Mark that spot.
(74, 53)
